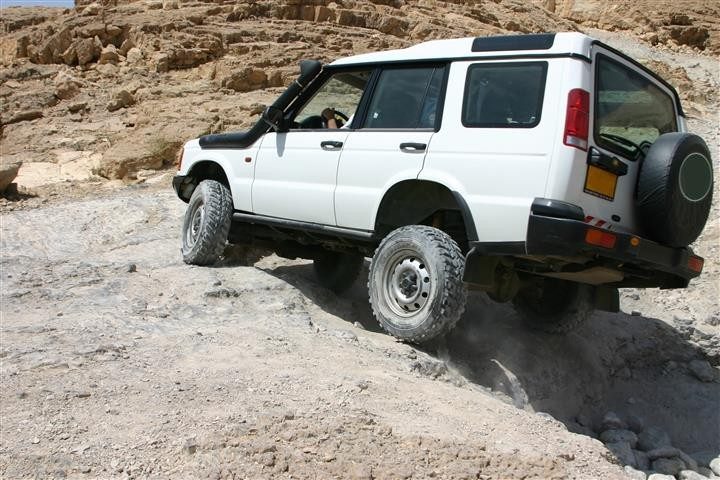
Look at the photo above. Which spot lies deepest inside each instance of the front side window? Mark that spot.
(339, 97)
(406, 98)
(504, 95)
(630, 110)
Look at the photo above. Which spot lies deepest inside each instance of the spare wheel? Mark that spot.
(674, 189)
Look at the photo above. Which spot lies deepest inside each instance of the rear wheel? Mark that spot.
(337, 271)
(207, 223)
(415, 283)
(554, 306)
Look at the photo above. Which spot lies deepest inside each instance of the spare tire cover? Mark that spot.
(674, 189)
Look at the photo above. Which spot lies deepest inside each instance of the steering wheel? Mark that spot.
(338, 116)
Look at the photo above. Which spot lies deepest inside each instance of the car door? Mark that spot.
(389, 141)
(296, 170)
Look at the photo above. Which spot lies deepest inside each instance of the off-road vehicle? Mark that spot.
(545, 169)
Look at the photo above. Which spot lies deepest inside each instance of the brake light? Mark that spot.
(695, 263)
(600, 238)
(577, 119)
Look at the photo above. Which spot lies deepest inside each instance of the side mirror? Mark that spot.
(273, 117)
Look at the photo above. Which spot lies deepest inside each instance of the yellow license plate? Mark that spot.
(600, 183)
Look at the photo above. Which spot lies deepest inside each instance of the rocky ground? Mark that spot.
(117, 360)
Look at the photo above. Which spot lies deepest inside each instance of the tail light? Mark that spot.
(600, 238)
(695, 263)
(577, 119)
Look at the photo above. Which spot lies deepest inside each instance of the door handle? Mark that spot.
(411, 147)
(331, 145)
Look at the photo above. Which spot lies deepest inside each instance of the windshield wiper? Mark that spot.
(638, 151)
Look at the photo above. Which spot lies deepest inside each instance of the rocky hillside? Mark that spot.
(111, 89)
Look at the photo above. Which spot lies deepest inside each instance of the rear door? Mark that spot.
(629, 110)
(389, 140)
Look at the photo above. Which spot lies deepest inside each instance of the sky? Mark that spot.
(37, 3)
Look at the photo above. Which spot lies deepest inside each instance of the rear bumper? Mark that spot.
(644, 263)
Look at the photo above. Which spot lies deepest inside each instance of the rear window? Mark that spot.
(504, 95)
(630, 110)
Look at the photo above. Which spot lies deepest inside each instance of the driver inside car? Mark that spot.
(329, 119)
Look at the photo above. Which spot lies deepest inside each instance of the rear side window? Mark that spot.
(504, 95)
(405, 98)
(630, 110)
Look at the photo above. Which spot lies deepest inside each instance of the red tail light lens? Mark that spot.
(695, 264)
(600, 238)
(577, 119)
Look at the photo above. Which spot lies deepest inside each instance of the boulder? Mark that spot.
(615, 436)
(24, 116)
(109, 54)
(660, 476)
(702, 370)
(634, 474)
(122, 99)
(611, 421)
(691, 475)
(622, 452)
(8, 172)
(134, 55)
(668, 466)
(85, 50)
(715, 466)
(246, 80)
(641, 460)
(652, 438)
(66, 86)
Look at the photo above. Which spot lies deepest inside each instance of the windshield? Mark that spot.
(630, 110)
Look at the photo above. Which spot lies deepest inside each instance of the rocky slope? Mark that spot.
(106, 337)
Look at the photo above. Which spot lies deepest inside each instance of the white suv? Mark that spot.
(545, 169)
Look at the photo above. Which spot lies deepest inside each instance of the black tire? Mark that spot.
(207, 223)
(674, 189)
(337, 271)
(555, 306)
(415, 283)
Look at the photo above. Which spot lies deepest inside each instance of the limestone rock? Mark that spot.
(25, 116)
(615, 436)
(691, 475)
(634, 474)
(668, 466)
(611, 421)
(134, 55)
(715, 466)
(122, 99)
(702, 370)
(109, 54)
(652, 438)
(246, 80)
(622, 452)
(8, 172)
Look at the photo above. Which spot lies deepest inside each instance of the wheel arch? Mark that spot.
(199, 171)
(413, 201)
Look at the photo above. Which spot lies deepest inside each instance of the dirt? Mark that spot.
(119, 361)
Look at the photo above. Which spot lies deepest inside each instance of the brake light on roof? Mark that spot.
(695, 263)
(600, 238)
(577, 119)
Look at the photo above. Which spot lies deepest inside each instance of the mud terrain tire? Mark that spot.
(207, 223)
(674, 190)
(554, 306)
(415, 283)
(337, 271)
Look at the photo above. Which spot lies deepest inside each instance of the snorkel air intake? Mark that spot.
(309, 69)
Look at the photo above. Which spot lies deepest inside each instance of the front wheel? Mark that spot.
(555, 306)
(207, 223)
(415, 283)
